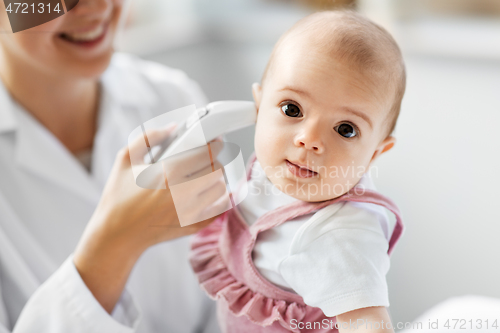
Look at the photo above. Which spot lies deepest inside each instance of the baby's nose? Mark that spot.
(310, 138)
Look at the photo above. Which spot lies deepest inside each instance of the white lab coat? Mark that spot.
(47, 198)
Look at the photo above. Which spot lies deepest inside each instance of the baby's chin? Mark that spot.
(315, 191)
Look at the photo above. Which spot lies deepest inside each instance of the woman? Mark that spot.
(69, 244)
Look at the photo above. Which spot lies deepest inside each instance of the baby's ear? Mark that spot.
(384, 146)
(257, 94)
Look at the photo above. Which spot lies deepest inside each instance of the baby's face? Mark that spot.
(320, 124)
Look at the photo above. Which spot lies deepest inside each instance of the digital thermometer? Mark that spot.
(215, 119)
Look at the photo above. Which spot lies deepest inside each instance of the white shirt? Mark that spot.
(335, 258)
(47, 197)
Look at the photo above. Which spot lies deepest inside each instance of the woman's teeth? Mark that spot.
(85, 36)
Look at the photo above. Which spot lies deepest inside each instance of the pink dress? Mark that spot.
(246, 302)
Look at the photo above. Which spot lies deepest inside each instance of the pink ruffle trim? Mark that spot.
(215, 278)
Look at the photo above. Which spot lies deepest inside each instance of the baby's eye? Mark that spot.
(346, 130)
(291, 110)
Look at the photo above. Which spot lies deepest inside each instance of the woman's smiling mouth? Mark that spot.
(88, 38)
(300, 171)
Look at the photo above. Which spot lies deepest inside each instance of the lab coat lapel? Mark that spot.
(116, 120)
(125, 104)
(40, 153)
(7, 120)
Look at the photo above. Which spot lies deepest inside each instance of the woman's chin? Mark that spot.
(89, 69)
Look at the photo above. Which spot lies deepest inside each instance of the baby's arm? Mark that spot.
(339, 265)
(373, 320)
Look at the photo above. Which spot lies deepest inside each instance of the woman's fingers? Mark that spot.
(200, 191)
(216, 146)
(183, 164)
(217, 208)
(212, 194)
(157, 136)
(150, 138)
(193, 228)
(204, 205)
(193, 163)
(194, 196)
(216, 165)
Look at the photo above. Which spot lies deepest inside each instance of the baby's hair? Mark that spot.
(358, 42)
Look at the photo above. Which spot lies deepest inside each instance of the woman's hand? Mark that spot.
(129, 219)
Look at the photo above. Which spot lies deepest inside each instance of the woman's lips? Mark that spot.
(87, 39)
(299, 171)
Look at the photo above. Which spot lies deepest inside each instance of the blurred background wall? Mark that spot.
(443, 171)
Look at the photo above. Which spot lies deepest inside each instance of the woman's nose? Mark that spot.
(94, 8)
(310, 138)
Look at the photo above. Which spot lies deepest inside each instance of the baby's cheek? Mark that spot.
(340, 178)
(261, 151)
(266, 142)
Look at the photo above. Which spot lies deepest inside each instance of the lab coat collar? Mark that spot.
(39, 152)
(121, 82)
(125, 85)
(7, 119)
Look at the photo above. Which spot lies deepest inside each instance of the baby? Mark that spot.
(312, 240)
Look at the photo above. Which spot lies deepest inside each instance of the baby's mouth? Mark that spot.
(300, 171)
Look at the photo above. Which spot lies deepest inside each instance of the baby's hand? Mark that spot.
(373, 320)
